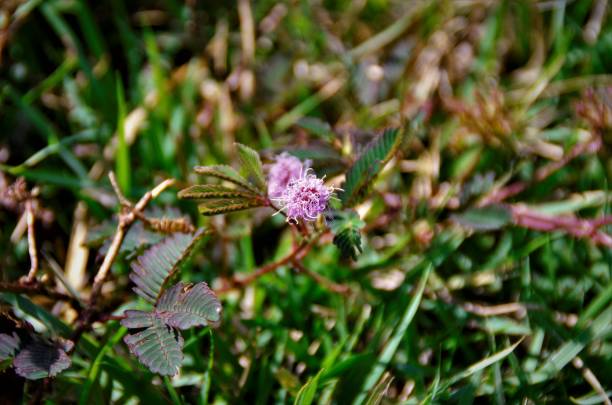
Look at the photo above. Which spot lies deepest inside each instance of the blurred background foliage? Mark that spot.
(492, 97)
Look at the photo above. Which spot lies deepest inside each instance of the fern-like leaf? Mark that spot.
(156, 265)
(226, 205)
(184, 306)
(251, 166)
(346, 226)
(40, 359)
(9, 344)
(159, 347)
(366, 168)
(213, 191)
(226, 173)
(135, 319)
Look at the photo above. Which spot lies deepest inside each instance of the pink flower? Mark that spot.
(282, 171)
(305, 197)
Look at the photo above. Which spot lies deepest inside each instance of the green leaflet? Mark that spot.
(306, 394)
(346, 227)
(227, 173)
(218, 199)
(225, 205)
(366, 168)
(206, 191)
(251, 166)
(317, 127)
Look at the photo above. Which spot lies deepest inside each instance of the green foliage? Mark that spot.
(226, 173)
(214, 191)
(251, 166)
(307, 393)
(218, 199)
(317, 127)
(226, 205)
(346, 227)
(362, 174)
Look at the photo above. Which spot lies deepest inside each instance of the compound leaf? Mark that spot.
(366, 168)
(157, 264)
(159, 346)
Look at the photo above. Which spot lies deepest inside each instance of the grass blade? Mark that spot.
(391, 346)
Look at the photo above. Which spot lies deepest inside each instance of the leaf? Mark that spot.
(486, 218)
(206, 191)
(226, 173)
(366, 168)
(252, 167)
(226, 205)
(156, 265)
(9, 344)
(390, 348)
(346, 227)
(94, 369)
(486, 362)
(159, 347)
(180, 307)
(380, 390)
(601, 326)
(41, 359)
(184, 306)
(135, 319)
(317, 126)
(306, 394)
